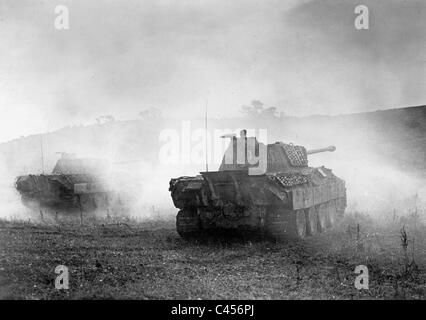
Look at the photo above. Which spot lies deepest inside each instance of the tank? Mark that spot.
(278, 196)
(75, 184)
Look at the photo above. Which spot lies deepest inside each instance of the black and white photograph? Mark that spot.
(234, 152)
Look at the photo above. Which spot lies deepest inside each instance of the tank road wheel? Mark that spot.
(301, 224)
(274, 224)
(340, 206)
(188, 223)
(323, 216)
(282, 224)
(312, 218)
(332, 214)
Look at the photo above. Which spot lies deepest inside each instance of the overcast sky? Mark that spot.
(119, 57)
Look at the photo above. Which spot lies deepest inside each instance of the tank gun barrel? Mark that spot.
(329, 148)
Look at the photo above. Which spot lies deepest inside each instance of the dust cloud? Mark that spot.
(303, 57)
(382, 176)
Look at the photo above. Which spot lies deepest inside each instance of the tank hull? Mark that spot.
(280, 204)
(64, 192)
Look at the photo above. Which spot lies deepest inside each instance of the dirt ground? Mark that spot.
(148, 260)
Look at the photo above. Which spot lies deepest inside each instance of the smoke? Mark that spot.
(10, 204)
(379, 170)
(379, 188)
(376, 183)
(303, 57)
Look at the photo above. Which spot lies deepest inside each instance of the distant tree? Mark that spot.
(249, 111)
(151, 113)
(105, 119)
(270, 112)
(257, 105)
(256, 110)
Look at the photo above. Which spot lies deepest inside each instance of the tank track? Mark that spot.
(188, 223)
(279, 223)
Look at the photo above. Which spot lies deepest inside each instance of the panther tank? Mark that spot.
(75, 184)
(262, 189)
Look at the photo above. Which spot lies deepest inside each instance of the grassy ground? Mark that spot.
(148, 260)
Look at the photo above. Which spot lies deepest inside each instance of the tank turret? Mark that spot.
(246, 153)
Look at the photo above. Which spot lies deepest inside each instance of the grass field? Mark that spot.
(148, 260)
